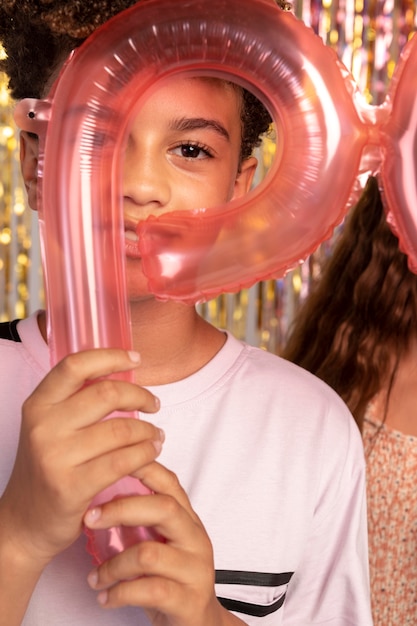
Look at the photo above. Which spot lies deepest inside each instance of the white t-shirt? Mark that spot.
(273, 464)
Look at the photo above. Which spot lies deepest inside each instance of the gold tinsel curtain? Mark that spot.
(368, 36)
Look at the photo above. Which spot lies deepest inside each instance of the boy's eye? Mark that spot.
(192, 151)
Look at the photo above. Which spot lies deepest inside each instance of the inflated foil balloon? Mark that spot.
(399, 145)
(329, 141)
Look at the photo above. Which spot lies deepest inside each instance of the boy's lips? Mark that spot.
(132, 244)
(166, 237)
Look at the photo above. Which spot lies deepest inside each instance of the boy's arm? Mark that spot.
(18, 578)
(66, 455)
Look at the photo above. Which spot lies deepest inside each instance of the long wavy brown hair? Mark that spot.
(38, 35)
(361, 317)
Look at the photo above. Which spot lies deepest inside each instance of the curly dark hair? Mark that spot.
(360, 319)
(37, 35)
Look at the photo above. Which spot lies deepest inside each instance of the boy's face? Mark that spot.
(182, 154)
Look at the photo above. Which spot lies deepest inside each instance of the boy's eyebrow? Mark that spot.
(196, 123)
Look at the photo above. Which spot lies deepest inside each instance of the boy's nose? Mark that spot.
(145, 182)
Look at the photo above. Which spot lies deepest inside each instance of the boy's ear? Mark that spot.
(29, 146)
(244, 178)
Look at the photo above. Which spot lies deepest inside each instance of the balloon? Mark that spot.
(329, 140)
(399, 144)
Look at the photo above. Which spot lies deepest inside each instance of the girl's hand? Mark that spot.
(67, 454)
(172, 581)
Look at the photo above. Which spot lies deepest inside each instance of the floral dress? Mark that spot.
(392, 520)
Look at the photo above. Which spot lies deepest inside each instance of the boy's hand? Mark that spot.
(172, 581)
(67, 454)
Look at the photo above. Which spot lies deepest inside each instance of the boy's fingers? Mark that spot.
(150, 558)
(147, 592)
(117, 435)
(76, 387)
(105, 397)
(152, 510)
(72, 373)
(161, 480)
(168, 509)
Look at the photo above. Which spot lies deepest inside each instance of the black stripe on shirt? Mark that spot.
(256, 579)
(257, 610)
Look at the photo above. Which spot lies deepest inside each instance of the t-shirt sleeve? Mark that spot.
(331, 586)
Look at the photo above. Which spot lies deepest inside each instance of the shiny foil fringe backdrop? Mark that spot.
(368, 36)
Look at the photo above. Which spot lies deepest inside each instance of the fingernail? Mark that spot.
(134, 356)
(102, 597)
(92, 516)
(158, 442)
(157, 403)
(92, 578)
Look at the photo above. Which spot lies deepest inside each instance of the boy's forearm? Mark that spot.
(18, 578)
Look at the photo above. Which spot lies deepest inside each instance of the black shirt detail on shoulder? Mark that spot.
(8, 330)
(256, 579)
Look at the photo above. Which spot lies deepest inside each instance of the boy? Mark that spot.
(259, 486)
